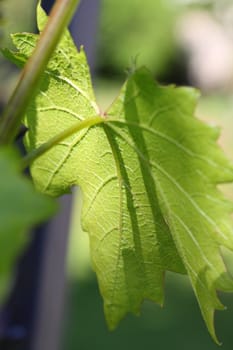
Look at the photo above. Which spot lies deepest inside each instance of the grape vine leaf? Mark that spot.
(21, 207)
(149, 176)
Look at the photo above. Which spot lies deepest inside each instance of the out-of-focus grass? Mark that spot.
(177, 326)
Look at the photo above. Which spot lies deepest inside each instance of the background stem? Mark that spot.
(59, 18)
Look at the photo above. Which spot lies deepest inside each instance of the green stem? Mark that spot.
(58, 20)
(45, 147)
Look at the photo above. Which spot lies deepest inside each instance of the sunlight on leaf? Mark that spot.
(149, 177)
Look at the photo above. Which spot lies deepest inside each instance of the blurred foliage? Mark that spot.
(131, 30)
(177, 326)
(21, 207)
(19, 16)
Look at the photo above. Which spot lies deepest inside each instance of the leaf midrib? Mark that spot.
(120, 184)
(149, 164)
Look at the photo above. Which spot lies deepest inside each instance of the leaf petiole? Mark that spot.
(36, 153)
(59, 18)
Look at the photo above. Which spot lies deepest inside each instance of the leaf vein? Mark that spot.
(169, 177)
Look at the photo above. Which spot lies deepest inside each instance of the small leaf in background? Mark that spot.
(149, 176)
(21, 207)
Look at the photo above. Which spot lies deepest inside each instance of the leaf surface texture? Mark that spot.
(149, 176)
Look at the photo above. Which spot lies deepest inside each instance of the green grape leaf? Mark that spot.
(179, 158)
(149, 176)
(21, 207)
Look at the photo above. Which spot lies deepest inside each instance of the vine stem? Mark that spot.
(45, 147)
(58, 20)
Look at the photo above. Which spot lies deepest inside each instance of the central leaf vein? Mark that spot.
(170, 178)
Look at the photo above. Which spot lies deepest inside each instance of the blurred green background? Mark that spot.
(147, 33)
(130, 30)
